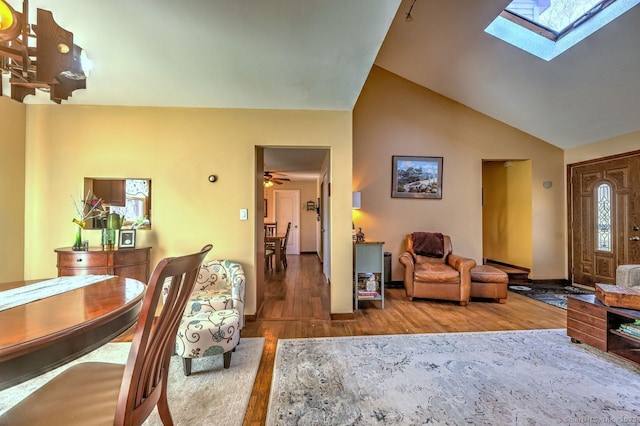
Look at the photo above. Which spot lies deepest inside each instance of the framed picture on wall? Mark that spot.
(127, 238)
(416, 177)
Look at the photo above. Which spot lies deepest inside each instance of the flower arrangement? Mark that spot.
(86, 208)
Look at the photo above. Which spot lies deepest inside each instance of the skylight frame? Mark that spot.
(549, 33)
(533, 39)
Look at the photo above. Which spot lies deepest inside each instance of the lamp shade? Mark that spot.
(10, 26)
(356, 198)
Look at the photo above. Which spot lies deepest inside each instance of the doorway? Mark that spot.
(507, 213)
(604, 217)
(287, 210)
(296, 192)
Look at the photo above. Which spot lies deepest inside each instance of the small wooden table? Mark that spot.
(44, 334)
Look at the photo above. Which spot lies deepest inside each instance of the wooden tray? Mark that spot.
(618, 296)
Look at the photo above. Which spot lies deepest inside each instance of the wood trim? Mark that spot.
(603, 159)
(343, 317)
(497, 262)
(560, 281)
(569, 224)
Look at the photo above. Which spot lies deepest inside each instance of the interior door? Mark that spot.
(287, 205)
(605, 218)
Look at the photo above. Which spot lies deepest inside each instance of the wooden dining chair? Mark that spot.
(283, 247)
(270, 229)
(100, 393)
(269, 246)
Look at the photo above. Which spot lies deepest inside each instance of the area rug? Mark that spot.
(495, 378)
(552, 294)
(211, 395)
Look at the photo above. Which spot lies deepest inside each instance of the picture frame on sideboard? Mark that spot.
(127, 238)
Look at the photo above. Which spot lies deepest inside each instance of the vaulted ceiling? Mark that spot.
(310, 54)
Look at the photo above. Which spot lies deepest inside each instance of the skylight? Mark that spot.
(547, 28)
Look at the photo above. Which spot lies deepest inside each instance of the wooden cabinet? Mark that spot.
(368, 264)
(112, 191)
(587, 322)
(590, 321)
(129, 263)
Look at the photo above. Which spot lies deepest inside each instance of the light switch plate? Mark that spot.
(244, 214)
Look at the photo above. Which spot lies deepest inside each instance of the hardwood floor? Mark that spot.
(297, 306)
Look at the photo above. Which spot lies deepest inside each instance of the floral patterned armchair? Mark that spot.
(219, 286)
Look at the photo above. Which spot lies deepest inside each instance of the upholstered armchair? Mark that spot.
(220, 285)
(628, 275)
(214, 315)
(432, 271)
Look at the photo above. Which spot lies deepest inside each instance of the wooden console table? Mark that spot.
(596, 324)
(128, 263)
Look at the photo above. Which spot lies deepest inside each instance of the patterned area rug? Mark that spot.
(494, 378)
(551, 294)
(210, 396)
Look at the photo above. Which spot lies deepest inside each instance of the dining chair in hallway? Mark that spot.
(283, 247)
(269, 253)
(270, 229)
(269, 247)
(93, 393)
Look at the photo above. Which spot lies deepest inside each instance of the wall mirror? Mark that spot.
(130, 198)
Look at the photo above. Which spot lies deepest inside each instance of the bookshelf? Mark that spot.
(368, 272)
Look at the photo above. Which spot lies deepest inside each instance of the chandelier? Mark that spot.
(40, 56)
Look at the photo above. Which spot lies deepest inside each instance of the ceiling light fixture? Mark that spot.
(54, 64)
(409, 17)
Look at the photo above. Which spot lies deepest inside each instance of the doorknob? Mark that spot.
(634, 238)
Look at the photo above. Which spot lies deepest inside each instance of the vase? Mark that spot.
(77, 244)
(108, 238)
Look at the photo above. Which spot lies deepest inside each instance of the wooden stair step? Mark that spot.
(516, 275)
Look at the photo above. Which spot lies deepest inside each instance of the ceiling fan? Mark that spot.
(269, 179)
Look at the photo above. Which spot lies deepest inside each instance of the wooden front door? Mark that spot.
(605, 218)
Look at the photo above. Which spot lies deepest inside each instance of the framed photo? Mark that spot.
(416, 177)
(127, 238)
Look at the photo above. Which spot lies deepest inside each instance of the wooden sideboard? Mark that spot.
(128, 263)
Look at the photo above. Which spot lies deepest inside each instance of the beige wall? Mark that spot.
(395, 117)
(178, 149)
(12, 189)
(506, 212)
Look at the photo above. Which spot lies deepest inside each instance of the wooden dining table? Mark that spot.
(276, 240)
(40, 335)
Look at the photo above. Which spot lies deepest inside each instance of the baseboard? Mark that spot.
(394, 284)
(343, 317)
(251, 318)
(496, 262)
(558, 281)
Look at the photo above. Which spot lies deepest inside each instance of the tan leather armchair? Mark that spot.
(436, 274)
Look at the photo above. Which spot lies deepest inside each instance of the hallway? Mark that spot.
(298, 292)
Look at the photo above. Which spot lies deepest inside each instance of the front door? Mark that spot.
(605, 218)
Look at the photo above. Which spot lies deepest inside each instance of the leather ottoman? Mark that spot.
(489, 283)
